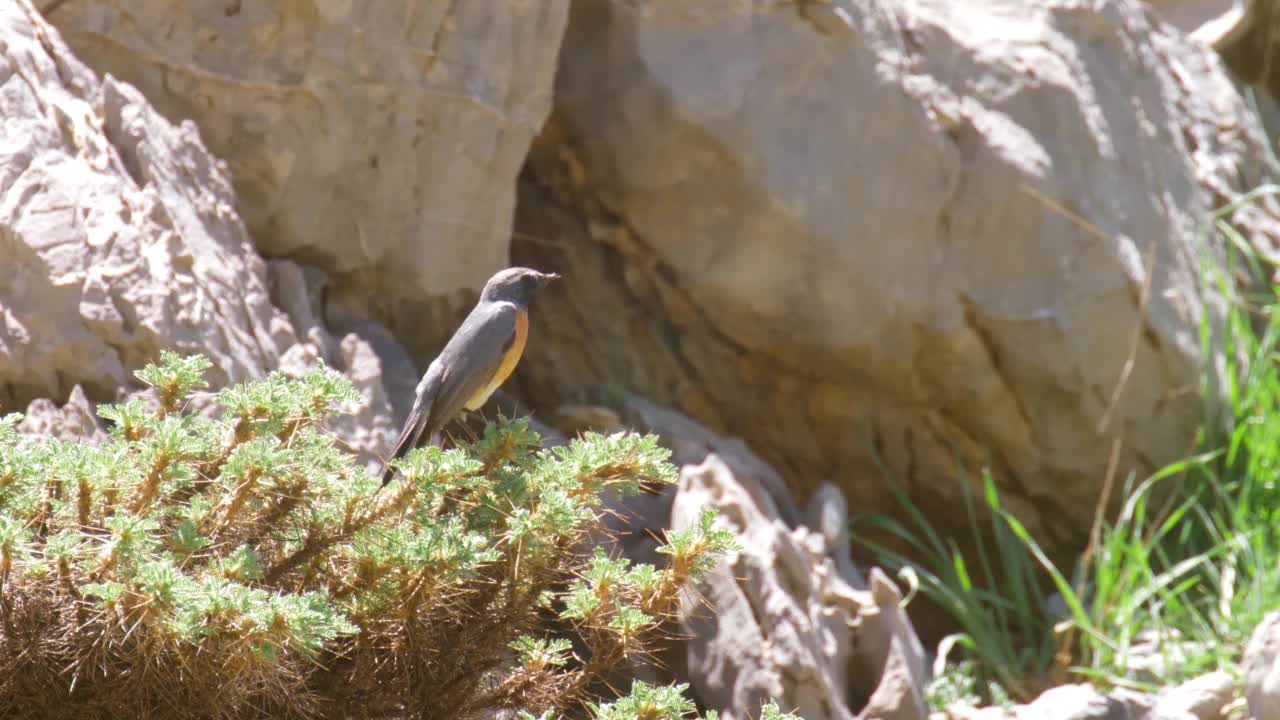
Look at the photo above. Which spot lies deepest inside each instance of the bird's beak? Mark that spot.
(546, 278)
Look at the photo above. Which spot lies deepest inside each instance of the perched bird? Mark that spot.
(477, 359)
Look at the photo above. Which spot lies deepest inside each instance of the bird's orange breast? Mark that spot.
(509, 361)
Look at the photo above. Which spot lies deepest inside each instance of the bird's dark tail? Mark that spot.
(389, 472)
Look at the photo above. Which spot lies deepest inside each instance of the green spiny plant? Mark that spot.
(246, 567)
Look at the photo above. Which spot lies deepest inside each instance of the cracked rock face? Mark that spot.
(119, 238)
(952, 233)
(118, 234)
(379, 139)
(790, 624)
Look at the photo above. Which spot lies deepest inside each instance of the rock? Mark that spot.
(770, 635)
(1137, 704)
(1262, 669)
(691, 443)
(298, 291)
(373, 428)
(77, 420)
(1207, 22)
(633, 522)
(573, 419)
(887, 645)
(877, 255)
(786, 624)
(1202, 698)
(118, 234)
(375, 139)
(827, 513)
(368, 355)
(1073, 702)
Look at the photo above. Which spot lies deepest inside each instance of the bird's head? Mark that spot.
(516, 285)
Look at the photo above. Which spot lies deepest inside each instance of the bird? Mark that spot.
(477, 359)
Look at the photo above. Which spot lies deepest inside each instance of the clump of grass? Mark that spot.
(246, 567)
(1183, 571)
(1005, 629)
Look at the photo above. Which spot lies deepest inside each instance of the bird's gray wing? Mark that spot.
(467, 362)
(424, 398)
(471, 358)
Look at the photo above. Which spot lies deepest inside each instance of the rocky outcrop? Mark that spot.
(366, 353)
(375, 139)
(777, 630)
(1204, 698)
(788, 616)
(1207, 21)
(119, 237)
(118, 234)
(842, 232)
(922, 241)
(847, 233)
(787, 623)
(75, 421)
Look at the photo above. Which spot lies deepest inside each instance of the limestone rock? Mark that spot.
(1073, 702)
(373, 138)
(1262, 669)
(786, 624)
(1202, 698)
(925, 241)
(367, 354)
(634, 520)
(118, 233)
(888, 647)
(76, 420)
(1208, 21)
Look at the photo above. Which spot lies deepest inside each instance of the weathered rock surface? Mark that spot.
(1262, 669)
(369, 137)
(1207, 21)
(118, 234)
(793, 619)
(367, 354)
(964, 230)
(75, 420)
(1202, 698)
(1074, 702)
(631, 519)
(787, 624)
(119, 238)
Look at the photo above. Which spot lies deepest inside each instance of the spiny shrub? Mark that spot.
(247, 567)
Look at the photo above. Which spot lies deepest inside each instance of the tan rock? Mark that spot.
(1208, 21)
(872, 257)
(788, 624)
(1202, 698)
(369, 137)
(75, 420)
(118, 233)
